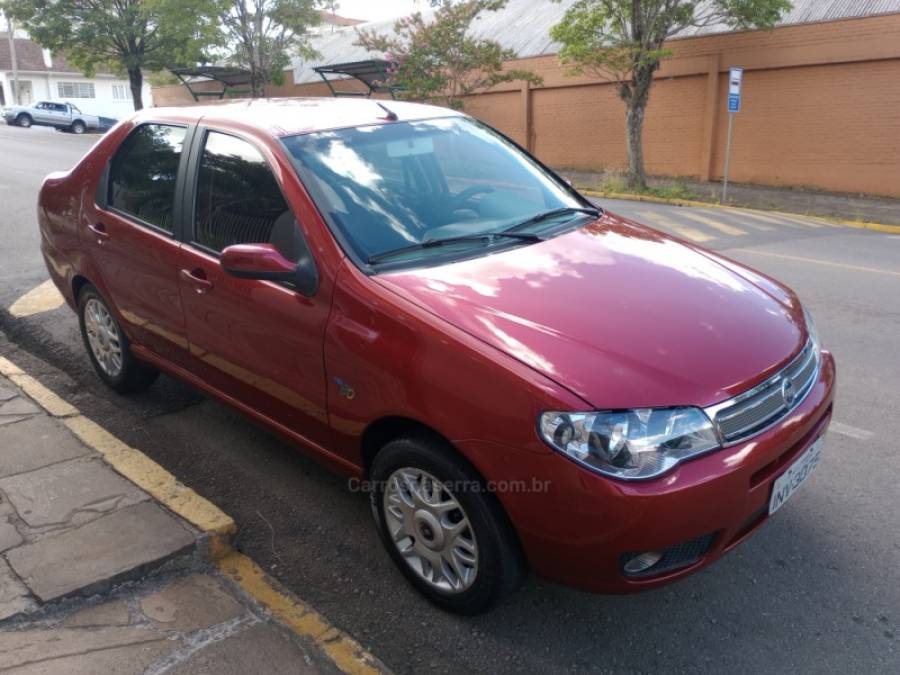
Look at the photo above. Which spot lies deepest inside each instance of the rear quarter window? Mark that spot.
(144, 172)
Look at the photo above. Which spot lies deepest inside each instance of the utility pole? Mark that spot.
(12, 57)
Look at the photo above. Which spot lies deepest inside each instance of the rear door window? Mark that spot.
(238, 199)
(144, 172)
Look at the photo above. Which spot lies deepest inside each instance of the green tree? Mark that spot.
(622, 41)
(438, 60)
(263, 35)
(128, 36)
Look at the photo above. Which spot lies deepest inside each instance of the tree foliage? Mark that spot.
(623, 41)
(126, 36)
(263, 35)
(438, 60)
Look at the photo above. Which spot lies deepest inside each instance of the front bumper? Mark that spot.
(576, 529)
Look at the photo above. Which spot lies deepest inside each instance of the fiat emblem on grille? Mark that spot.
(787, 391)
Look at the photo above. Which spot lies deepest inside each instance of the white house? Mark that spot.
(47, 77)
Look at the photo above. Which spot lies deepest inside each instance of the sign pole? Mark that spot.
(735, 79)
(11, 32)
(727, 158)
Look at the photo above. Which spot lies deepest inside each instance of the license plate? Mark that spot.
(788, 482)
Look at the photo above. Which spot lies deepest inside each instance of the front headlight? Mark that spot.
(632, 444)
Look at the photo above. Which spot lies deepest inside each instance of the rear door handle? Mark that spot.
(99, 230)
(197, 278)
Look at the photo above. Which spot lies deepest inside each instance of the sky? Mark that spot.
(376, 10)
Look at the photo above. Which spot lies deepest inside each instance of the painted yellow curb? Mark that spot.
(674, 201)
(49, 401)
(346, 653)
(159, 483)
(133, 464)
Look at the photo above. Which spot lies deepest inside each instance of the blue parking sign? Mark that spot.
(735, 80)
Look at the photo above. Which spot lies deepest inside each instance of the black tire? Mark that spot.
(77, 127)
(134, 375)
(24, 120)
(501, 564)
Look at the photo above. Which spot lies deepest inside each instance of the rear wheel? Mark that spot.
(24, 120)
(447, 535)
(108, 347)
(78, 127)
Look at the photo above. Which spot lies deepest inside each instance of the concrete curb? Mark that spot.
(345, 652)
(878, 227)
(217, 526)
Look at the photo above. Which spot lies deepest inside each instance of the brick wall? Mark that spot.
(821, 108)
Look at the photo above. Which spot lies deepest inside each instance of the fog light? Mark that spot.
(641, 562)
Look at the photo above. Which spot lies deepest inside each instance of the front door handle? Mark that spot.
(99, 230)
(197, 278)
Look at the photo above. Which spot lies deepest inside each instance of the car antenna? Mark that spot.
(391, 115)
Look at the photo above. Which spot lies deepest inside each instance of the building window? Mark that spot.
(120, 92)
(76, 89)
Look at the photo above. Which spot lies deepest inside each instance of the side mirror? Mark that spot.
(265, 262)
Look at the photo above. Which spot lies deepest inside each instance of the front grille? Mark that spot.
(751, 412)
(674, 557)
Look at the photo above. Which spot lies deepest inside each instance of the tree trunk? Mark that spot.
(636, 94)
(257, 82)
(634, 120)
(136, 80)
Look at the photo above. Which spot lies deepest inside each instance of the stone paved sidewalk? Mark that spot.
(190, 624)
(98, 578)
(69, 524)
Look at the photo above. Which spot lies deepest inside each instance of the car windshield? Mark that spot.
(393, 191)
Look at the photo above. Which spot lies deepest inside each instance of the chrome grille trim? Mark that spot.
(757, 409)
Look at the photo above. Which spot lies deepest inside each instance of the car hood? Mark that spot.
(620, 314)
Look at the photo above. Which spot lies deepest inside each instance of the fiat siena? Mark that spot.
(520, 379)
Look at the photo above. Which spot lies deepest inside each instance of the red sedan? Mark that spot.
(519, 379)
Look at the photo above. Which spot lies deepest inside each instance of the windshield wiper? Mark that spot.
(487, 237)
(546, 215)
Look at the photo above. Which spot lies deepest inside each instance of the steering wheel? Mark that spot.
(459, 201)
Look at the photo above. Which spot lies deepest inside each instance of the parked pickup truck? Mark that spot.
(63, 116)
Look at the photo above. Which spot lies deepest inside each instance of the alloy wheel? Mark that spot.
(103, 337)
(431, 530)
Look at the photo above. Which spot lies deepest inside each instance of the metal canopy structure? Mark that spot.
(228, 77)
(373, 73)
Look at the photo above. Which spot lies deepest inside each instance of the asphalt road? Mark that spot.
(815, 590)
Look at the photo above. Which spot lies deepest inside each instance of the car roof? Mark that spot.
(291, 116)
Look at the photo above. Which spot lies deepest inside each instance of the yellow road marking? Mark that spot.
(681, 230)
(807, 221)
(827, 263)
(715, 224)
(627, 196)
(42, 298)
(769, 219)
(346, 653)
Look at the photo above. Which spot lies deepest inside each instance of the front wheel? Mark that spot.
(24, 120)
(78, 127)
(448, 536)
(108, 347)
